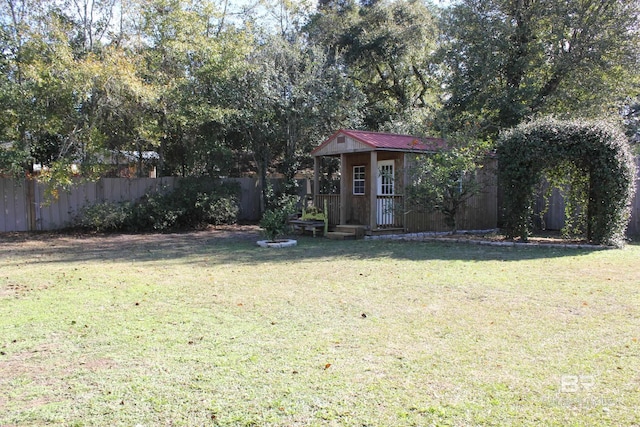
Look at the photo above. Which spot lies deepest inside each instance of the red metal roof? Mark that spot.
(389, 141)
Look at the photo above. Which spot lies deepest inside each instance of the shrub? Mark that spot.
(274, 223)
(105, 216)
(156, 212)
(274, 220)
(207, 201)
(445, 180)
(194, 203)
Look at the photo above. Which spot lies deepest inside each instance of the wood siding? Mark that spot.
(335, 148)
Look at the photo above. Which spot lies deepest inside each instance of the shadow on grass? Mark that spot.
(228, 249)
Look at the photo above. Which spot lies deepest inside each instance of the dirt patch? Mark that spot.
(495, 238)
(551, 241)
(540, 238)
(98, 364)
(35, 240)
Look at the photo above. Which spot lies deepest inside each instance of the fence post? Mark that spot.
(30, 199)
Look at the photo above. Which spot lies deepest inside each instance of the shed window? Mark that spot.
(358, 180)
(341, 139)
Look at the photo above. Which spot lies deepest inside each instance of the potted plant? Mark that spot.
(274, 225)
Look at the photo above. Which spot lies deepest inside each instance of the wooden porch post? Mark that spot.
(343, 188)
(316, 177)
(405, 182)
(373, 191)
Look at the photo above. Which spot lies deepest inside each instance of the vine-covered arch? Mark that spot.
(597, 151)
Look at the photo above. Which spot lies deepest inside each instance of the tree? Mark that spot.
(188, 56)
(92, 21)
(47, 88)
(511, 59)
(288, 99)
(445, 180)
(385, 48)
(630, 112)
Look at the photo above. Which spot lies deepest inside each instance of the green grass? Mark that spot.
(185, 330)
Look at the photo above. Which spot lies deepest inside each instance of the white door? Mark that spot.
(385, 192)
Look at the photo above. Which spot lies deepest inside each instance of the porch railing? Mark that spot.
(333, 206)
(390, 211)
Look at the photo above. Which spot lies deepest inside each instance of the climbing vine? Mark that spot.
(590, 161)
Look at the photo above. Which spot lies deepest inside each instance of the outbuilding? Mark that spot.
(373, 173)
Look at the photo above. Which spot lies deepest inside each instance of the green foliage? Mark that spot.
(194, 203)
(283, 199)
(314, 212)
(74, 85)
(13, 162)
(630, 112)
(385, 50)
(508, 60)
(592, 158)
(64, 174)
(274, 223)
(209, 201)
(217, 97)
(445, 180)
(290, 97)
(105, 216)
(279, 209)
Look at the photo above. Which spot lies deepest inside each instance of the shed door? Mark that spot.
(385, 192)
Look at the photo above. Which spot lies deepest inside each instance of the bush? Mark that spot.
(208, 201)
(156, 212)
(279, 208)
(194, 203)
(274, 223)
(105, 216)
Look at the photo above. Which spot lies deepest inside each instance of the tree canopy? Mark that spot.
(221, 88)
(508, 60)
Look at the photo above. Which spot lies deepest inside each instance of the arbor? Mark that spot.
(593, 157)
(510, 59)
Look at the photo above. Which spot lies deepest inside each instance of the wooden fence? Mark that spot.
(333, 206)
(23, 206)
(553, 219)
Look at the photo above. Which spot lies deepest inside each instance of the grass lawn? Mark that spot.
(196, 329)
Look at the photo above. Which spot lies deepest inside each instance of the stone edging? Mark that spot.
(279, 244)
(444, 238)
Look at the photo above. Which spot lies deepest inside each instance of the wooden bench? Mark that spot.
(311, 220)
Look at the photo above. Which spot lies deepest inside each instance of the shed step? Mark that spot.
(358, 230)
(338, 235)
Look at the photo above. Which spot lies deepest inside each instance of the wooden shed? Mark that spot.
(374, 170)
